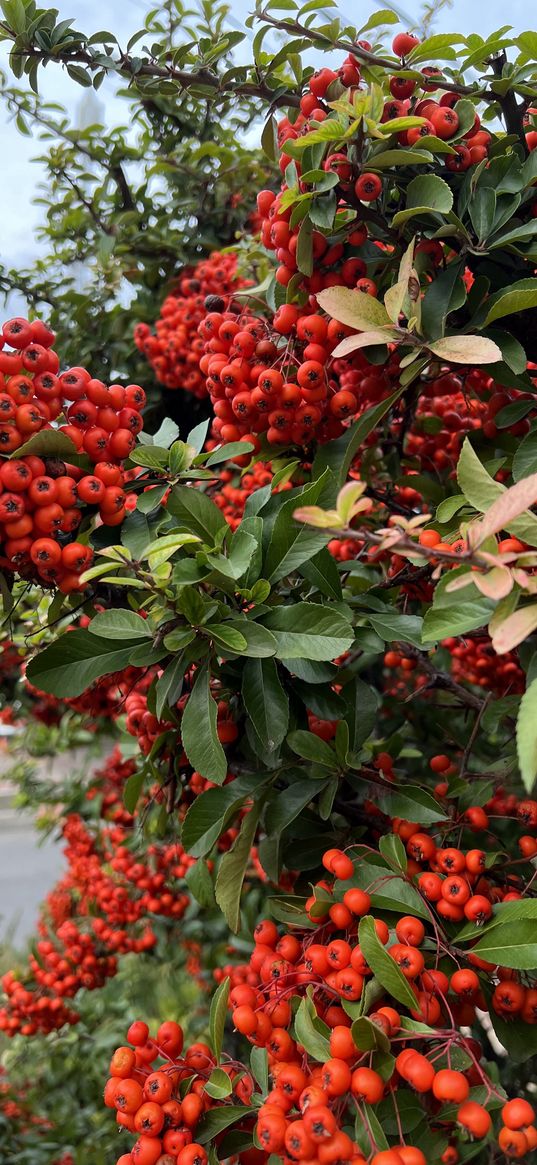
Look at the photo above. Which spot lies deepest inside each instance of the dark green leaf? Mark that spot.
(382, 964)
(198, 731)
(196, 513)
(200, 883)
(311, 747)
(133, 788)
(307, 1033)
(265, 701)
(75, 660)
(321, 571)
(212, 811)
(119, 624)
(218, 1119)
(232, 869)
(309, 631)
(217, 1017)
(412, 803)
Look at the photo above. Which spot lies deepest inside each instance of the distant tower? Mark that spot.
(90, 110)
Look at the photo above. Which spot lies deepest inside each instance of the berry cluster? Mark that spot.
(174, 349)
(274, 379)
(98, 911)
(331, 966)
(44, 499)
(163, 1102)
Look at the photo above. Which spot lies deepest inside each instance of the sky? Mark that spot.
(19, 218)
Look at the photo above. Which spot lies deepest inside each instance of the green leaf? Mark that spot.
(151, 498)
(383, 966)
(481, 491)
(510, 505)
(517, 1037)
(211, 812)
(309, 631)
(135, 534)
(217, 1119)
(227, 637)
(162, 549)
(287, 805)
(446, 293)
(401, 157)
(150, 456)
(435, 48)
(260, 643)
(383, 16)
(74, 661)
(49, 443)
(226, 452)
(194, 510)
(198, 731)
(526, 738)
(259, 1068)
(198, 435)
(518, 297)
(219, 1085)
(232, 869)
(390, 625)
(525, 456)
(311, 747)
(377, 1132)
(179, 638)
(412, 803)
(323, 209)
(132, 789)
(265, 701)
(293, 542)
(119, 624)
(321, 571)
(269, 139)
(362, 709)
(457, 619)
(307, 1022)
(200, 883)
(426, 194)
(514, 944)
(368, 1037)
(304, 250)
(356, 309)
(482, 210)
(217, 1017)
(393, 850)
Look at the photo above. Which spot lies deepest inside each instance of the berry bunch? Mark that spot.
(174, 349)
(159, 1093)
(334, 969)
(276, 379)
(98, 911)
(44, 499)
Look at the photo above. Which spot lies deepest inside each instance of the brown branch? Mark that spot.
(441, 680)
(467, 752)
(512, 112)
(126, 67)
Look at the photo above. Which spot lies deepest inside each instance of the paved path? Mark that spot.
(29, 867)
(29, 864)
